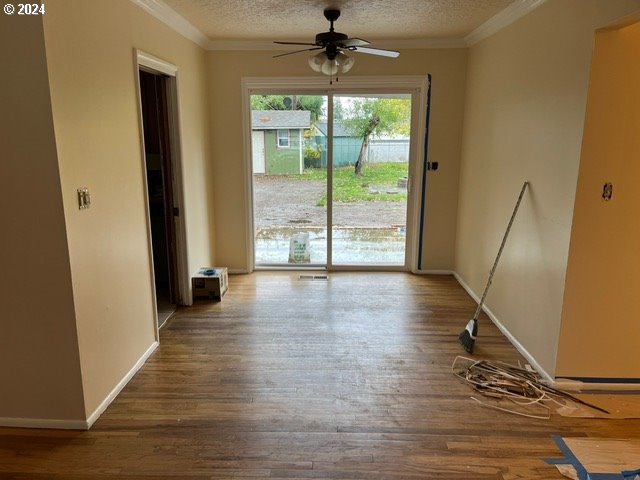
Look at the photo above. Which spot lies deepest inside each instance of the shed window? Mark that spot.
(284, 141)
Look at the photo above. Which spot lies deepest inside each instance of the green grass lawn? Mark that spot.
(349, 188)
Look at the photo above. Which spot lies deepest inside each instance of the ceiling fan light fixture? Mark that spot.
(332, 60)
(316, 61)
(321, 63)
(345, 62)
(329, 67)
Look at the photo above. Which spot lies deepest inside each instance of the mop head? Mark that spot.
(468, 336)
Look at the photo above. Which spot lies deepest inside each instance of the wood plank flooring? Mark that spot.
(297, 379)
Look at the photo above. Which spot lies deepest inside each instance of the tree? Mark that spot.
(312, 103)
(338, 111)
(365, 117)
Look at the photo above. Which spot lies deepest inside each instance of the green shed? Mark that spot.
(277, 138)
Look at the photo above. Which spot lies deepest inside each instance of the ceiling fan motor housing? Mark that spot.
(327, 38)
(331, 38)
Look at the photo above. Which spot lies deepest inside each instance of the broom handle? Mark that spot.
(504, 240)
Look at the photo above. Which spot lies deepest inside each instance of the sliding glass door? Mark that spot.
(371, 137)
(330, 179)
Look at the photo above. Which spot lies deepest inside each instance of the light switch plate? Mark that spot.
(84, 198)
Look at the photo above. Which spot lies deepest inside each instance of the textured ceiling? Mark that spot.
(369, 19)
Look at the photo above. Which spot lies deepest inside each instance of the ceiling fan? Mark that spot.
(332, 60)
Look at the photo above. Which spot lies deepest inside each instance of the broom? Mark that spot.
(468, 336)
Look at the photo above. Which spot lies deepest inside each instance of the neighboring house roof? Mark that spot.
(274, 119)
(339, 130)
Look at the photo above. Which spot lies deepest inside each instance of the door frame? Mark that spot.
(150, 63)
(417, 85)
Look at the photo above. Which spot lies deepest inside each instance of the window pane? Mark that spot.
(283, 138)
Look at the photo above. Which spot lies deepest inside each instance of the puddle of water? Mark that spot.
(351, 246)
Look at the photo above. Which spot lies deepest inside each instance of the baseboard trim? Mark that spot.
(237, 271)
(433, 272)
(43, 423)
(580, 386)
(118, 388)
(505, 331)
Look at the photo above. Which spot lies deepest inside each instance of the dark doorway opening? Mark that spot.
(155, 120)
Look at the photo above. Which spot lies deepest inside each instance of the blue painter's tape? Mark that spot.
(571, 459)
(631, 473)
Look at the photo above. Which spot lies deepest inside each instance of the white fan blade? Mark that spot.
(378, 51)
(353, 42)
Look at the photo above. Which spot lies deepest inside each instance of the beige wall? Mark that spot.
(93, 91)
(525, 106)
(600, 326)
(156, 38)
(39, 361)
(226, 71)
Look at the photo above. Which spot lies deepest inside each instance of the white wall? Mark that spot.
(525, 106)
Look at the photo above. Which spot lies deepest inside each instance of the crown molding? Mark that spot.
(502, 19)
(174, 20)
(177, 22)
